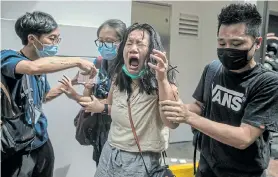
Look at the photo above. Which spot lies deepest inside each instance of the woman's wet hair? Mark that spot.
(148, 82)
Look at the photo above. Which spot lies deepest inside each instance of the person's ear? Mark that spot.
(31, 39)
(259, 42)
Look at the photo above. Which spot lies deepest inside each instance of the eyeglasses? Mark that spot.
(107, 44)
(55, 40)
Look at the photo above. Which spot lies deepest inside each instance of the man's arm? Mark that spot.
(195, 107)
(47, 65)
(57, 91)
(54, 93)
(238, 137)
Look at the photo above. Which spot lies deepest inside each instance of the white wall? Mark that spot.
(72, 159)
(77, 13)
(273, 6)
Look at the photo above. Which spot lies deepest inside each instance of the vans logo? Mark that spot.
(226, 97)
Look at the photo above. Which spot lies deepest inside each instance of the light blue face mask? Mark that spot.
(133, 76)
(47, 50)
(108, 53)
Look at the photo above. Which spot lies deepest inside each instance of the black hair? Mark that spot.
(246, 13)
(118, 25)
(148, 82)
(120, 28)
(37, 23)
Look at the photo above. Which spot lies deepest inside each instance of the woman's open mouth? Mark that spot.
(133, 63)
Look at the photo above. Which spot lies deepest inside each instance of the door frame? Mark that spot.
(160, 3)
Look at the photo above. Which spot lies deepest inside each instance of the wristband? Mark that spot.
(105, 111)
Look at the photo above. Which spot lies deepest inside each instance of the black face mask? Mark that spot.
(234, 59)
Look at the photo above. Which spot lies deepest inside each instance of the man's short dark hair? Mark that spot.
(241, 13)
(37, 23)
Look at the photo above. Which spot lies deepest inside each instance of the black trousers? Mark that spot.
(37, 163)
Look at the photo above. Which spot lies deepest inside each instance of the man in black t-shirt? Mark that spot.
(242, 105)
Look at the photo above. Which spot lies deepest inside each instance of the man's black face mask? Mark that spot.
(234, 59)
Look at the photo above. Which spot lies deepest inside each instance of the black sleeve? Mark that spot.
(199, 91)
(262, 109)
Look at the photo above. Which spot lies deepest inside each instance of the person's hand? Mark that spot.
(162, 64)
(175, 111)
(272, 169)
(88, 85)
(93, 106)
(68, 88)
(88, 68)
(74, 81)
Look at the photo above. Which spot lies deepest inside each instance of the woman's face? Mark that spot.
(108, 43)
(108, 35)
(135, 50)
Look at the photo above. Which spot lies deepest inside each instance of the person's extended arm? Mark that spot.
(195, 107)
(238, 137)
(57, 91)
(98, 106)
(50, 65)
(90, 103)
(53, 93)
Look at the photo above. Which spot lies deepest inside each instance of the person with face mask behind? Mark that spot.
(237, 109)
(40, 36)
(109, 36)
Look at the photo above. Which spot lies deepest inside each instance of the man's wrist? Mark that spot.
(190, 118)
(77, 61)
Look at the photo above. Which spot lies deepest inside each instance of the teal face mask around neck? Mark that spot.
(133, 76)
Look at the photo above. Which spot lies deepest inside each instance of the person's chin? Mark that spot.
(133, 70)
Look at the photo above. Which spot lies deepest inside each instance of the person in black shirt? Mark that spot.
(242, 105)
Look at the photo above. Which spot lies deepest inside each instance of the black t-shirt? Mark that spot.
(250, 97)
